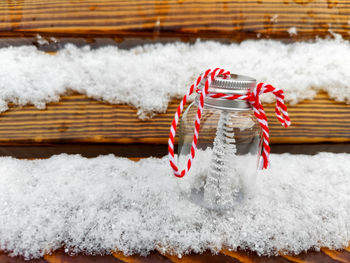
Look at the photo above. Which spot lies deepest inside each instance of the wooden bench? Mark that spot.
(26, 132)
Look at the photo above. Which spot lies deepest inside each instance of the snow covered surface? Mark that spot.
(147, 77)
(108, 203)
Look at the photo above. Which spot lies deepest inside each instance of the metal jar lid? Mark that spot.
(236, 84)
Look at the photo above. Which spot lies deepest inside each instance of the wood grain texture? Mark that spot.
(230, 19)
(61, 257)
(315, 257)
(250, 257)
(78, 119)
(154, 257)
(341, 256)
(206, 257)
(142, 150)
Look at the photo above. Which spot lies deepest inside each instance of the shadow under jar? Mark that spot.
(224, 169)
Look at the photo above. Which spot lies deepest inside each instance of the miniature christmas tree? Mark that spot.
(223, 183)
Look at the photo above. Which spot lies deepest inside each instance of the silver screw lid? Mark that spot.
(236, 84)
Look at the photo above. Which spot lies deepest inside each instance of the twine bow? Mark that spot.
(251, 96)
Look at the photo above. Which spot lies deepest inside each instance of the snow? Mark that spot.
(41, 41)
(292, 31)
(274, 18)
(148, 77)
(108, 203)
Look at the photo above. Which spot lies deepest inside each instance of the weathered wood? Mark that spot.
(153, 257)
(78, 119)
(206, 257)
(61, 257)
(317, 257)
(341, 256)
(230, 19)
(135, 150)
(249, 257)
(142, 150)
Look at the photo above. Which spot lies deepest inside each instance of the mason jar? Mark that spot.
(224, 169)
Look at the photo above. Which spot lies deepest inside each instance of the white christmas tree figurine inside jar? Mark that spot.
(223, 135)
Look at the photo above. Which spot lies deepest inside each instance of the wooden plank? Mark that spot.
(130, 151)
(206, 257)
(250, 257)
(153, 257)
(230, 19)
(142, 150)
(224, 257)
(78, 119)
(339, 255)
(310, 257)
(61, 257)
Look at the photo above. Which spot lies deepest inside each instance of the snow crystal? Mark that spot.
(149, 76)
(274, 19)
(292, 31)
(41, 41)
(107, 203)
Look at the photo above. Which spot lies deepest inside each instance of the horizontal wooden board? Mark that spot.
(141, 150)
(230, 19)
(324, 256)
(78, 119)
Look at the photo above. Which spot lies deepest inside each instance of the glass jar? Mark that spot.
(229, 145)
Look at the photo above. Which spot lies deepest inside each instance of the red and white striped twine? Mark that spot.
(252, 97)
